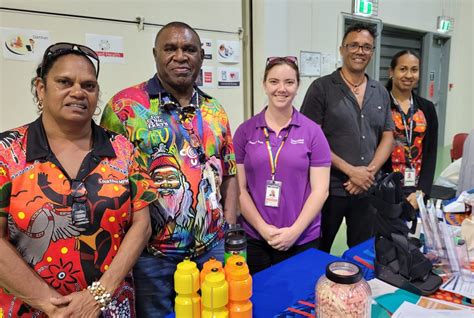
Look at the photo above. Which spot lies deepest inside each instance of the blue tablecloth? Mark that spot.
(364, 256)
(282, 285)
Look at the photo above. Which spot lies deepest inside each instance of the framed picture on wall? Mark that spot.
(310, 63)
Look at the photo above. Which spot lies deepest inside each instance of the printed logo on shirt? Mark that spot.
(297, 141)
(156, 122)
(113, 181)
(255, 142)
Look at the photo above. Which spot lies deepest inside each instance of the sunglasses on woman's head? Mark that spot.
(62, 48)
(275, 59)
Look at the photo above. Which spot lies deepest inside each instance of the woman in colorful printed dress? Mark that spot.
(416, 127)
(283, 161)
(73, 201)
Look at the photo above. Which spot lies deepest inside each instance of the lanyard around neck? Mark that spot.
(274, 160)
(411, 113)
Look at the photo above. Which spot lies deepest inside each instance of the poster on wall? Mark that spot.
(206, 45)
(228, 77)
(310, 63)
(24, 44)
(109, 48)
(206, 77)
(228, 51)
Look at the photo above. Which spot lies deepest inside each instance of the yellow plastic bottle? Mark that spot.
(215, 293)
(186, 285)
(240, 290)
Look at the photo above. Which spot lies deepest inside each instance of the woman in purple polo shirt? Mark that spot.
(283, 162)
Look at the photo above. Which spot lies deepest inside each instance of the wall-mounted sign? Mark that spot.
(110, 49)
(445, 24)
(24, 44)
(366, 8)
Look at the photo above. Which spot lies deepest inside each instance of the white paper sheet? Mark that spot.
(409, 310)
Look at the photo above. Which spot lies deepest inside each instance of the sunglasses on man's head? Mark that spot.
(276, 59)
(62, 48)
(79, 204)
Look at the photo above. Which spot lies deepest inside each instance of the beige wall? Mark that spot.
(281, 27)
(284, 27)
(16, 106)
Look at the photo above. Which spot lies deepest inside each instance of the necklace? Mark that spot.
(355, 87)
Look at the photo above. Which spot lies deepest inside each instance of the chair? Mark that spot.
(458, 143)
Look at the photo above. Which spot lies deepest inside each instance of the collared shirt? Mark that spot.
(353, 132)
(184, 221)
(305, 147)
(36, 196)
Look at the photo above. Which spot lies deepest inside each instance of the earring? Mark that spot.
(39, 105)
(98, 111)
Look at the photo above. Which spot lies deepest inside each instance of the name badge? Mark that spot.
(211, 195)
(409, 178)
(272, 193)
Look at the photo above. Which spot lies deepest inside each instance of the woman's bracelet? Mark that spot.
(100, 294)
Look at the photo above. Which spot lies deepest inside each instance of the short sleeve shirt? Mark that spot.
(184, 221)
(36, 195)
(353, 132)
(304, 148)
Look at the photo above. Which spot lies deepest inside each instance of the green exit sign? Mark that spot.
(445, 24)
(366, 8)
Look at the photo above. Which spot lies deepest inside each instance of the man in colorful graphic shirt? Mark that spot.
(184, 136)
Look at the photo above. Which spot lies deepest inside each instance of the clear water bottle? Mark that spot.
(342, 292)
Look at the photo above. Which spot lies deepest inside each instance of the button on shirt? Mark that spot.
(305, 147)
(353, 133)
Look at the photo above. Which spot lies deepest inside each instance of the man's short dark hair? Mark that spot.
(177, 24)
(360, 26)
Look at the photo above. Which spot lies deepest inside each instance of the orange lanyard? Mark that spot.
(274, 161)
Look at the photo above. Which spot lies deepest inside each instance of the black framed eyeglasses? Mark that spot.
(61, 48)
(275, 59)
(354, 47)
(79, 210)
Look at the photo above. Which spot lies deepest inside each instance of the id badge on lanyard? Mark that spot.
(273, 187)
(209, 177)
(272, 193)
(409, 179)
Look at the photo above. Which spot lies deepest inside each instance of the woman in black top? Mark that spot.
(416, 127)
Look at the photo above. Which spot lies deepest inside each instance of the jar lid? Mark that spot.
(343, 272)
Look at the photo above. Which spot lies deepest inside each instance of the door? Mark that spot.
(394, 40)
(435, 70)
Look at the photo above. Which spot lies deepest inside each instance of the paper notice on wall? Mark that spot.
(206, 45)
(24, 44)
(228, 51)
(206, 77)
(228, 77)
(310, 63)
(328, 63)
(109, 48)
